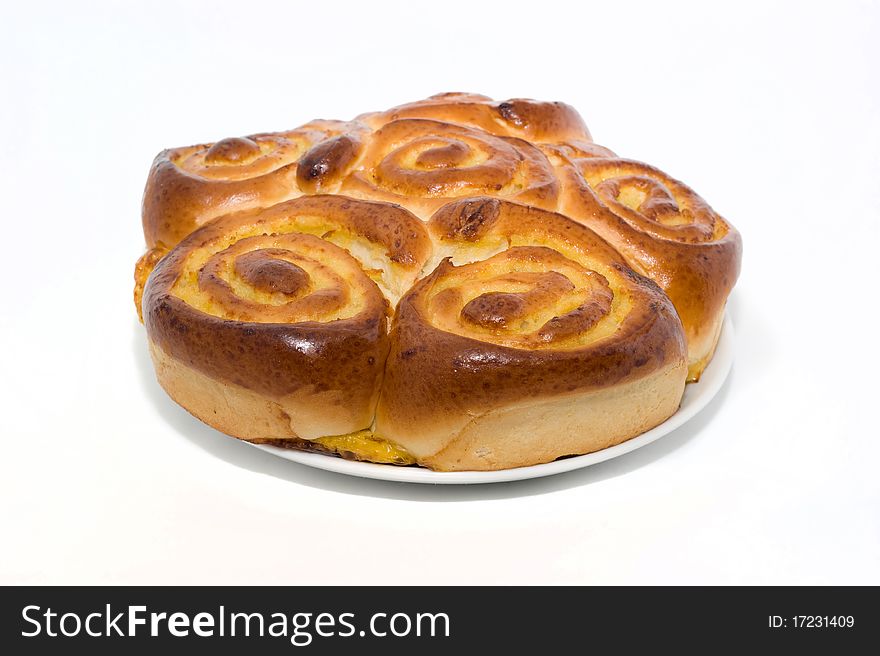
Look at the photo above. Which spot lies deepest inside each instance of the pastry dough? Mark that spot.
(532, 339)
(665, 231)
(274, 323)
(457, 283)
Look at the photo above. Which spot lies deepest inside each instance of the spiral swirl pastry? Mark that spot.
(189, 186)
(459, 283)
(533, 339)
(273, 324)
(422, 164)
(665, 231)
(532, 120)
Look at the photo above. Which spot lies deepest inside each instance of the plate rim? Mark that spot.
(711, 381)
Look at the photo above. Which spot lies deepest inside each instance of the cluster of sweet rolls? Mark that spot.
(456, 283)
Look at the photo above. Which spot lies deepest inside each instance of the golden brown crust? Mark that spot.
(665, 230)
(289, 342)
(423, 164)
(530, 335)
(324, 166)
(188, 187)
(524, 118)
(468, 370)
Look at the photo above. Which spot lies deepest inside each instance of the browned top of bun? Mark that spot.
(663, 228)
(429, 158)
(528, 119)
(510, 257)
(422, 164)
(528, 304)
(274, 300)
(189, 186)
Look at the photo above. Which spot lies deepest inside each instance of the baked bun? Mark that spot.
(273, 324)
(532, 120)
(423, 164)
(187, 187)
(457, 283)
(532, 339)
(665, 231)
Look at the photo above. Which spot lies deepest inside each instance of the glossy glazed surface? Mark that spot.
(427, 267)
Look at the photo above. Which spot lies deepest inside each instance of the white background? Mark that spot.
(769, 110)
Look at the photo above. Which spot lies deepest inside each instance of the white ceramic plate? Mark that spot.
(696, 397)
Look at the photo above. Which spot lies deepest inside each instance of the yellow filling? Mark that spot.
(632, 198)
(365, 445)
